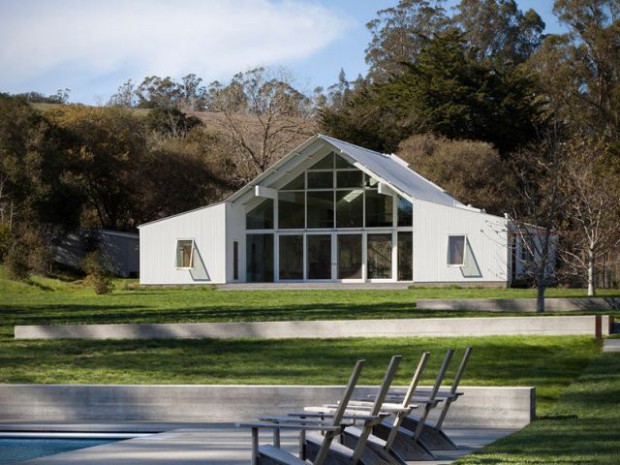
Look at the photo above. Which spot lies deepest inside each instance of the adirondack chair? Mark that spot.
(432, 434)
(407, 443)
(384, 447)
(361, 451)
(269, 454)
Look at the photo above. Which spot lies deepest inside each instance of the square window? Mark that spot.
(320, 180)
(348, 179)
(185, 253)
(456, 250)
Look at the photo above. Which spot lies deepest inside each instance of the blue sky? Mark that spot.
(93, 46)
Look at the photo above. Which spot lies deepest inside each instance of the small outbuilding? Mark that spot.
(331, 211)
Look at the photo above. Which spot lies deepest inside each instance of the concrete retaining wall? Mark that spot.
(429, 327)
(501, 407)
(522, 305)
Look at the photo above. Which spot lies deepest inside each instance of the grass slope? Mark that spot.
(581, 428)
(47, 301)
(548, 363)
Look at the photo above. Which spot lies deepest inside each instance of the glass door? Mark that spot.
(319, 256)
(349, 255)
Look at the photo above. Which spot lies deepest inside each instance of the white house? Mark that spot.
(330, 211)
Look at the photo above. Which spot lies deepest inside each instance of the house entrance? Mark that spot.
(333, 256)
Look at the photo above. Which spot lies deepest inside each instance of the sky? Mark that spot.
(91, 47)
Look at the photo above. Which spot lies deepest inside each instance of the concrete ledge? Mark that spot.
(522, 305)
(427, 327)
(611, 345)
(489, 407)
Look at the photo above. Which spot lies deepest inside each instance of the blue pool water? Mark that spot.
(13, 450)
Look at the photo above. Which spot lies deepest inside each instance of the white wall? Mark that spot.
(486, 234)
(235, 232)
(158, 241)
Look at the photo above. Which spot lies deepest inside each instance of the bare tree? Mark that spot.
(263, 116)
(539, 170)
(592, 210)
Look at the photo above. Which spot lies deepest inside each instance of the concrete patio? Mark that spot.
(220, 444)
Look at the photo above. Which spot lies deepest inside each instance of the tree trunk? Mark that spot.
(540, 298)
(591, 260)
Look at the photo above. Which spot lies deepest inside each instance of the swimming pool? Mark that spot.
(16, 447)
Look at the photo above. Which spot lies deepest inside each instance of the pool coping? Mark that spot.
(221, 444)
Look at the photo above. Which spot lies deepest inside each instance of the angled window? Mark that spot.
(456, 250)
(260, 217)
(185, 253)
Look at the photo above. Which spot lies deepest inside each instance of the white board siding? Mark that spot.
(486, 235)
(235, 232)
(158, 240)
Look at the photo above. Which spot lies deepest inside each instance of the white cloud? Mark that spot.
(212, 38)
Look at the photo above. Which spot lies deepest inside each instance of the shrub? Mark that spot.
(16, 264)
(40, 253)
(6, 239)
(97, 274)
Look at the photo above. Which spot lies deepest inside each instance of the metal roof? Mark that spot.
(395, 172)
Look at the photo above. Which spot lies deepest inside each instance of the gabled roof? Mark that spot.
(395, 172)
(388, 169)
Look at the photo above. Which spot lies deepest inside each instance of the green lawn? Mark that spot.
(46, 301)
(580, 428)
(575, 419)
(548, 363)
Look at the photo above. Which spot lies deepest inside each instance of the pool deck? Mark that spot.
(221, 444)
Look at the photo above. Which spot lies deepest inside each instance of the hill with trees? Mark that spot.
(478, 99)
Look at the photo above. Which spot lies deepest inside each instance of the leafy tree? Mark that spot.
(448, 92)
(581, 69)
(498, 30)
(171, 122)
(33, 185)
(157, 92)
(104, 146)
(471, 171)
(193, 96)
(452, 94)
(364, 116)
(180, 174)
(399, 34)
(125, 96)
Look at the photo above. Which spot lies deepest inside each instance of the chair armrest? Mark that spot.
(291, 426)
(314, 420)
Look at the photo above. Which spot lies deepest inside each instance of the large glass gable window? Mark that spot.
(261, 217)
(291, 207)
(332, 221)
(332, 193)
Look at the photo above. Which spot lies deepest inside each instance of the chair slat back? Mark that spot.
(455, 386)
(340, 411)
(417, 375)
(376, 408)
(442, 373)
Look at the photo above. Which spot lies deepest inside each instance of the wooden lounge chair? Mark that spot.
(384, 447)
(273, 455)
(407, 443)
(432, 435)
(360, 450)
